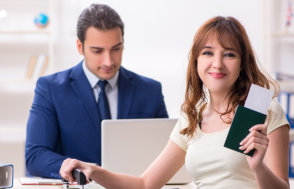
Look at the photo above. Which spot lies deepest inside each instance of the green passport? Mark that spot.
(243, 120)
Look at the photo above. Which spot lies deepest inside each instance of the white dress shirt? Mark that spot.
(111, 89)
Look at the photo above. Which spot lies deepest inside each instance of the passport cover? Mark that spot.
(243, 120)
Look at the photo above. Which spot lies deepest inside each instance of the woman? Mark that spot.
(221, 69)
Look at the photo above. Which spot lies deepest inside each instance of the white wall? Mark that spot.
(158, 35)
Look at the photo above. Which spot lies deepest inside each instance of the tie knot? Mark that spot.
(102, 84)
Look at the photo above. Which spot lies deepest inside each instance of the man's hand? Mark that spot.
(69, 165)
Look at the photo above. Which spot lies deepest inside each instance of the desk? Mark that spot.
(17, 185)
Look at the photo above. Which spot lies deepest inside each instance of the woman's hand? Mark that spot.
(69, 164)
(256, 139)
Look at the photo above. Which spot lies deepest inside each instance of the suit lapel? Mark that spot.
(126, 90)
(83, 90)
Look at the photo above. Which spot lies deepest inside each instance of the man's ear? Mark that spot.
(80, 47)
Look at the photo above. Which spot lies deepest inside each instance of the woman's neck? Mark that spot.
(214, 112)
(212, 118)
(218, 103)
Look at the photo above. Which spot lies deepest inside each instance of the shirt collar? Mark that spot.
(93, 79)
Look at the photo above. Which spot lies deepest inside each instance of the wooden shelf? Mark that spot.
(282, 34)
(285, 37)
(287, 85)
(26, 31)
(13, 133)
(17, 86)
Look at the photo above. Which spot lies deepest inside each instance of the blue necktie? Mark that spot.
(103, 106)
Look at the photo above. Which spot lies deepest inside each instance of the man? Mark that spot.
(69, 106)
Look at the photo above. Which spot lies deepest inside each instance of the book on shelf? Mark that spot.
(37, 66)
(31, 66)
(291, 160)
(280, 76)
(286, 100)
(44, 66)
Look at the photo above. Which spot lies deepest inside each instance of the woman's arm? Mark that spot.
(270, 161)
(274, 173)
(159, 172)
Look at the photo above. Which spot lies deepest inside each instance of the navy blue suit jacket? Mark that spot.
(64, 119)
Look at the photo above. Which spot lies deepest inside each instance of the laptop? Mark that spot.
(130, 145)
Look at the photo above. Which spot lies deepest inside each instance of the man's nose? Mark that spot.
(107, 59)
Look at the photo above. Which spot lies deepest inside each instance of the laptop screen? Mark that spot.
(130, 145)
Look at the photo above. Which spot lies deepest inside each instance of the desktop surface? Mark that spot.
(92, 185)
(17, 185)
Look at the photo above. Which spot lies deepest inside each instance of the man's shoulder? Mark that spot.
(137, 78)
(60, 77)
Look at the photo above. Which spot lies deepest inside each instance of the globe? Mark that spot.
(41, 20)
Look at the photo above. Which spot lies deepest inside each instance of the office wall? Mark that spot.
(158, 36)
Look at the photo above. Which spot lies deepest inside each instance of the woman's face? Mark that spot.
(218, 67)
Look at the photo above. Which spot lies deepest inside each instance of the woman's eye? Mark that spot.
(207, 53)
(230, 55)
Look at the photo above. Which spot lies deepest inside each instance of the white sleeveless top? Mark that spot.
(210, 164)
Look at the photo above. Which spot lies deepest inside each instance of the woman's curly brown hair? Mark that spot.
(228, 30)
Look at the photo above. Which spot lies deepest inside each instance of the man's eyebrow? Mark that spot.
(98, 48)
(101, 48)
(120, 43)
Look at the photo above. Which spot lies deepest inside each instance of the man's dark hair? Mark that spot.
(99, 16)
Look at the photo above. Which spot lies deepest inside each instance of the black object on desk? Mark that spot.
(6, 175)
(79, 176)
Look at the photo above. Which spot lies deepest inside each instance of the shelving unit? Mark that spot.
(20, 38)
(279, 47)
(279, 38)
(279, 56)
(24, 48)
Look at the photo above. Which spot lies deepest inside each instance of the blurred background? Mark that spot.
(38, 37)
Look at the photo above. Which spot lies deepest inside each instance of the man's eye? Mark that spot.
(97, 52)
(116, 49)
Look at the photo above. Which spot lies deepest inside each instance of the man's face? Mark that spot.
(102, 51)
